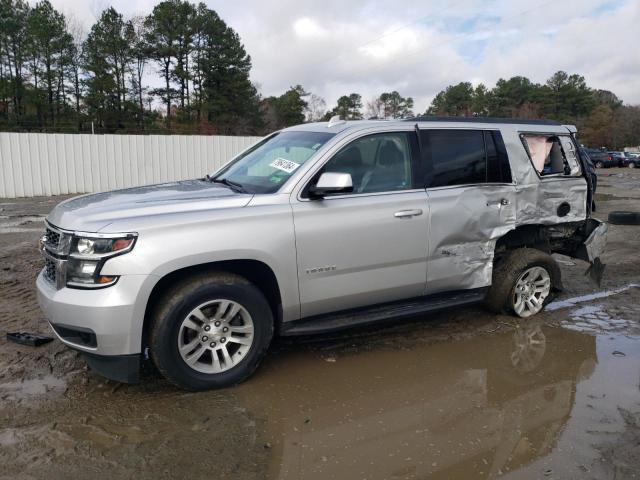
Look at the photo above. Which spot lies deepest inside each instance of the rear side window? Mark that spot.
(463, 157)
(498, 168)
(552, 155)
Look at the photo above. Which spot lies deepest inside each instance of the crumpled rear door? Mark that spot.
(466, 222)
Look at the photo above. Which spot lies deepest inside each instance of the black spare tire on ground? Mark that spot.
(624, 218)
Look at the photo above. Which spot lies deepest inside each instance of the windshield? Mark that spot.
(270, 163)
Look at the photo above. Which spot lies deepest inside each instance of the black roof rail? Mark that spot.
(516, 121)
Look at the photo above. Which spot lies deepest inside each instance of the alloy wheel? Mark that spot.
(531, 290)
(215, 336)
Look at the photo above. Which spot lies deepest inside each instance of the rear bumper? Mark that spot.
(593, 247)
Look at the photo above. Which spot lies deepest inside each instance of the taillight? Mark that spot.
(610, 157)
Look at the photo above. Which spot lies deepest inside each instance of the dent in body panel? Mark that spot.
(466, 222)
(538, 198)
(474, 261)
(552, 193)
(465, 225)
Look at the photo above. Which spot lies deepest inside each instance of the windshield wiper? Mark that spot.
(235, 186)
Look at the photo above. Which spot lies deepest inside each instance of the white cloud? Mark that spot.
(419, 47)
(308, 28)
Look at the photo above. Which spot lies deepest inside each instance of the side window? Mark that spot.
(457, 156)
(552, 154)
(498, 168)
(377, 163)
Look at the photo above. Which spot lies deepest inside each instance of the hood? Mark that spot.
(93, 212)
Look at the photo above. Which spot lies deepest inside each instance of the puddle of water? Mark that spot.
(390, 405)
(477, 408)
(572, 302)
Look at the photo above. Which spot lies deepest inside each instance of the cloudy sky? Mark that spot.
(418, 47)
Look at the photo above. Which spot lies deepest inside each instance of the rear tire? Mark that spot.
(523, 275)
(632, 165)
(599, 165)
(211, 331)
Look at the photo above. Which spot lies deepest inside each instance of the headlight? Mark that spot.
(100, 247)
(88, 254)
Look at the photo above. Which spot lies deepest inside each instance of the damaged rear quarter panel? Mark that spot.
(538, 198)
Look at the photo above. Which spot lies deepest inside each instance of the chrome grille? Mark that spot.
(50, 271)
(54, 246)
(53, 239)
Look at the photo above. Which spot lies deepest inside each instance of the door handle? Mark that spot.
(502, 203)
(408, 213)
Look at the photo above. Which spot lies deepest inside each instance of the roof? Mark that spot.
(510, 121)
(338, 127)
(452, 122)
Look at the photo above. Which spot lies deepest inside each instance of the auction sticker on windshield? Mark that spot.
(284, 165)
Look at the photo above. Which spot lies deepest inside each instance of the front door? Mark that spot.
(370, 246)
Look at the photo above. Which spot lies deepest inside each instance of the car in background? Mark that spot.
(618, 157)
(631, 160)
(602, 159)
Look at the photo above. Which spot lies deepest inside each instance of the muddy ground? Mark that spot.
(461, 394)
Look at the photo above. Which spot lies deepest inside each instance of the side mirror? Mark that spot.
(331, 183)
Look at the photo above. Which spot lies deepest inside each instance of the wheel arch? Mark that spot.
(257, 272)
(524, 236)
(534, 236)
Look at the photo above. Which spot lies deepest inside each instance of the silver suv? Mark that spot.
(316, 228)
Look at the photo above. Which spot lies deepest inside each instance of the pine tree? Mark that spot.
(13, 53)
(108, 54)
(48, 40)
(225, 95)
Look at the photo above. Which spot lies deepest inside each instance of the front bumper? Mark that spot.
(121, 368)
(105, 321)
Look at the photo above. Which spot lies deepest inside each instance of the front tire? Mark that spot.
(599, 165)
(211, 331)
(523, 282)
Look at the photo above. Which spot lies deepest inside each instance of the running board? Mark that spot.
(381, 312)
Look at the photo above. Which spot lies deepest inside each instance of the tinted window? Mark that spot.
(377, 163)
(457, 156)
(498, 169)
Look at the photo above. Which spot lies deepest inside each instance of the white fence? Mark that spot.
(35, 164)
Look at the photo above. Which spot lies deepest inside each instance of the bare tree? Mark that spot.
(78, 34)
(374, 109)
(316, 108)
(140, 54)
